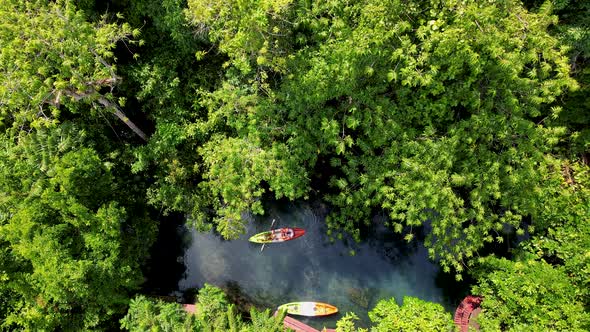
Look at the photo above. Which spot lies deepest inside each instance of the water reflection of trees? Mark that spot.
(389, 244)
(243, 301)
(165, 266)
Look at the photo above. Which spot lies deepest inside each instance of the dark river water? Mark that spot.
(311, 268)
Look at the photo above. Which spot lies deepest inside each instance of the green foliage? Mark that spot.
(9, 264)
(168, 98)
(467, 119)
(212, 303)
(427, 110)
(235, 170)
(566, 241)
(213, 313)
(528, 295)
(252, 33)
(166, 85)
(574, 31)
(413, 315)
(265, 321)
(66, 241)
(148, 315)
(51, 58)
(346, 323)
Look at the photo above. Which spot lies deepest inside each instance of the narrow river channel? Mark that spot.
(311, 268)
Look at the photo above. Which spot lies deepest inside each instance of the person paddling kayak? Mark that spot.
(278, 235)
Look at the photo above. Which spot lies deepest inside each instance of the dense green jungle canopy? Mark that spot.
(464, 120)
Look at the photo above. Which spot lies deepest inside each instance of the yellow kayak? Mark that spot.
(309, 308)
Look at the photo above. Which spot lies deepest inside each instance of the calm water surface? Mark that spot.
(311, 268)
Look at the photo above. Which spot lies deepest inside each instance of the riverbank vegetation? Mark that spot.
(465, 120)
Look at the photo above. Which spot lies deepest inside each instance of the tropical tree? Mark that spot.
(54, 64)
(528, 295)
(71, 251)
(564, 242)
(413, 315)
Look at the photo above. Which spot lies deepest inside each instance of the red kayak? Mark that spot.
(278, 235)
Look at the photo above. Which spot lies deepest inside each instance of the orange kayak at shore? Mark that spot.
(309, 308)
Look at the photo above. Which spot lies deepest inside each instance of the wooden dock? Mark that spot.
(297, 326)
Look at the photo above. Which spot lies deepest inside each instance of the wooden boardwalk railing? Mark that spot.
(297, 326)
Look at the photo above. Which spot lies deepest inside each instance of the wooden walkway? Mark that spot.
(468, 309)
(297, 326)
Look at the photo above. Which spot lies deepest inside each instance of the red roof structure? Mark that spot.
(190, 308)
(467, 310)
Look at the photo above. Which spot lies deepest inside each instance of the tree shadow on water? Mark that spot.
(165, 267)
(389, 244)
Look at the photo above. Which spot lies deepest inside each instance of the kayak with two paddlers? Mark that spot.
(278, 235)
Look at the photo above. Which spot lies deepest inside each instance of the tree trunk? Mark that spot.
(107, 103)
